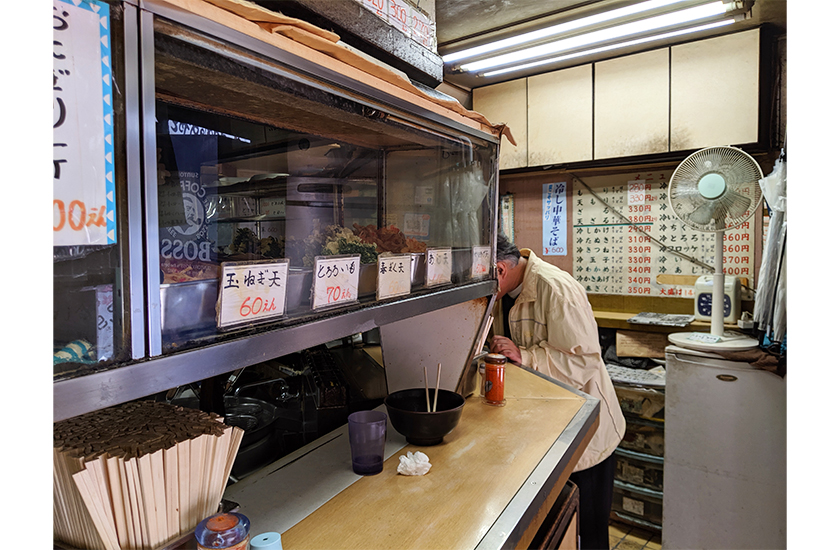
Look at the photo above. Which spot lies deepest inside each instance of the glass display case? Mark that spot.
(284, 204)
(97, 262)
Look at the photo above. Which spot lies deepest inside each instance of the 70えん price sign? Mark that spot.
(252, 292)
(335, 280)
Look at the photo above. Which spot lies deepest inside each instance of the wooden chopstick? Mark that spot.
(141, 479)
(426, 382)
(437, 388)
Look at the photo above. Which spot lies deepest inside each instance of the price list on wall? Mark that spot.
(615, 255)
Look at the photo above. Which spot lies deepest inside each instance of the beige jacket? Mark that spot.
(553, 325)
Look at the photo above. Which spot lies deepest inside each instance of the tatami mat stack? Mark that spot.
(138, 475)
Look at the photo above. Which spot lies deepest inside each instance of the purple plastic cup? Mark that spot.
(367, 441)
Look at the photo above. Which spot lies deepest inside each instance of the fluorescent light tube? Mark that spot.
(558, 29)
(611, 33)
(602, 49)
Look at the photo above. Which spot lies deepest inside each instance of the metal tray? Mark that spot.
(191, 306)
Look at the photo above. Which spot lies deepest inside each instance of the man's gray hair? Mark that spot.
(506, 250)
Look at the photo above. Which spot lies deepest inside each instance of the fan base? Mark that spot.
(704, 341)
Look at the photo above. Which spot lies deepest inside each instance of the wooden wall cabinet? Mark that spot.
(715, 91)
(683, 97)
(507, 103)
(560, 116)
(631, 105)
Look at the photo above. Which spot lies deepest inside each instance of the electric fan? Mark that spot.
(712, 190)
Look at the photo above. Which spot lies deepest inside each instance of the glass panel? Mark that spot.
(256, 167)
(90, 251)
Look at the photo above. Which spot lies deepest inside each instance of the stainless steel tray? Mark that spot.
(191, 306)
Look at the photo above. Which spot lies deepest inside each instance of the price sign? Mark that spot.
(394, 275)
(252, 292)
(273, 206)
(438, 266)
(635, 192)
(335, 280)
(480, 262)
(379, 7)
(399, 16)
(84, 208)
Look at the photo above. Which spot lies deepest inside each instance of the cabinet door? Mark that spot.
(560, 116)
(715, 91)
(631, 105)
(507, 103)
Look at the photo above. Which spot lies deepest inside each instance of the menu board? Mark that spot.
(615, 254)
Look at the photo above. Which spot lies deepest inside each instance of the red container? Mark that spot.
(494, 379)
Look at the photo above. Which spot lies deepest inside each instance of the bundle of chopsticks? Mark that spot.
(138, 475)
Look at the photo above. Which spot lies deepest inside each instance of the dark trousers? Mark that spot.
(596, 491)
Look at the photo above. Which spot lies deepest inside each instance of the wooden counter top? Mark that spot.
(491, 483)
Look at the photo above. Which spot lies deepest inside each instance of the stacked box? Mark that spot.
(641, 402)
(639, 469)
(637, 503)
(644, 436)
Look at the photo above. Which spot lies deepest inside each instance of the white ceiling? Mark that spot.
(465, 21)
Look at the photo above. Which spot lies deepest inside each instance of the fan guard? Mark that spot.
(715, 189)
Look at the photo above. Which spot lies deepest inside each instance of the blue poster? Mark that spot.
(554, 219)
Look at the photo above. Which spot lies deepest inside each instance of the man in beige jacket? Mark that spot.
(549, 327)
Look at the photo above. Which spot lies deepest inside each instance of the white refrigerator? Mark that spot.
(725, 440)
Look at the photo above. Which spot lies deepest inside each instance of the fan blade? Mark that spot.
(703, 214)
(736, 204)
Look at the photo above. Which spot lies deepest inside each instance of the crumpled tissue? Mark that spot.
(414, 464)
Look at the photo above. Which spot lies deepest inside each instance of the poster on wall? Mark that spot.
(554, 219)
(618, 255)
(506, 216)
(83, 118)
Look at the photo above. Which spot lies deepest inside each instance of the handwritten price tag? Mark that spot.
(480, 262)
(399, 16)
(393, 275)
(438, 266)
(336, 280)
(635, 192)
(252, 292)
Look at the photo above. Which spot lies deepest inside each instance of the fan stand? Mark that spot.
(717, 339)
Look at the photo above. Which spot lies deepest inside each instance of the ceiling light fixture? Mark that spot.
(558, 29)
(602, 49)
(603, 35)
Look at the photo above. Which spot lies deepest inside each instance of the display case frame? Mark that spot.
(151, 371)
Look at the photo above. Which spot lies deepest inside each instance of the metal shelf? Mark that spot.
(91, 392)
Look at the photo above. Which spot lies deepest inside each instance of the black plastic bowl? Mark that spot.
(408, 414)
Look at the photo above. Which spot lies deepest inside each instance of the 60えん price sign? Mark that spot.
(84, 210)
(252, 292)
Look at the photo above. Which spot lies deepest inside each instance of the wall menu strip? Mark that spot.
(612, 255)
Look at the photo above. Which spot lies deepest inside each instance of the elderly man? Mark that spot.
(548, 326)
